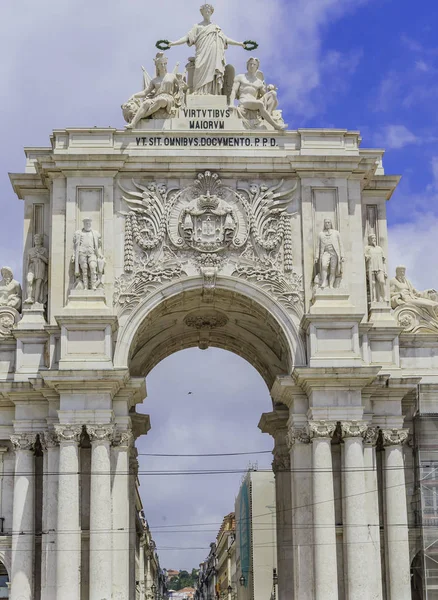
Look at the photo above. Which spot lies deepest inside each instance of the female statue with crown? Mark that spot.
(211, 43)
(162, 93)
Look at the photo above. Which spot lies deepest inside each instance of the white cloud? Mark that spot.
(395, 137)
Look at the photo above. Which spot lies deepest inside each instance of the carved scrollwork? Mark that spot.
(371, 436)
(23, 441)
(295, 435)
(9, 317)
(49, 439)
(394, 437)
(101, 433)
(68, 433)
(208, 228)
(321, 429)
(123, 438)
(352, 429)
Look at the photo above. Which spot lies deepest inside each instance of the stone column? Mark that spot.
(50, 495)
(275, 423)
(355, 518)
(372, 504)
(324, 531)
(302, 512)
(396, 523)
(100, 513)
(121, 503)
(68, 547)
(133, 474)
(23, 518)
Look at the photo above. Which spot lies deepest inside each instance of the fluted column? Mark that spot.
(121, 503)
(68, 547)
(324, 532)
(23, 518)
(396, 524)
(100, 513)
(372, 505)
(302, 512)
(355, 520)
(50, 445)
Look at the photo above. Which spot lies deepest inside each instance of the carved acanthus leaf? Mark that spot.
(351, 429)
(295, 435)
(123, 438)
(371, 436)
(23, 441)
(321, 429)
(49, 439)
(68, 433)
(101, 433)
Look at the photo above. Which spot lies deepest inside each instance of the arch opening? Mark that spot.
(182, 317)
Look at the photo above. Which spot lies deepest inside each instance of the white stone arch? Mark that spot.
(5, 558)
(285, 321)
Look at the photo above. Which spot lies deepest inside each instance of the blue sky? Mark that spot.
(355, 64)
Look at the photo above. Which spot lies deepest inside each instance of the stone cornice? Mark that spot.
(274, 422)
(110, 381)
(341, 378)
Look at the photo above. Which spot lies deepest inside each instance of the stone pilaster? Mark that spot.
(68, 547)
(372, 506)
(122, 444)
(101, 538)
(396, 525)
(23, 518)
(324, 532)
(50, 444)
(355, 519)
(302, 511)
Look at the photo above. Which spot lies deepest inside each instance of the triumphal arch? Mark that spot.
(206, 221)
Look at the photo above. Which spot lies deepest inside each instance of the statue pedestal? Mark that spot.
(207, 101)
(33, 316)
(381, 314)
(94, 301)
(331, 300)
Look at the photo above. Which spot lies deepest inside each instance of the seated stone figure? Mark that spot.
(161, 95)
(413, 308)
(10, 290)
(250, 90)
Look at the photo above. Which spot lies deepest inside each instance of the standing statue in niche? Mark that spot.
(37, 268)
(10, 290)
(251, 91)
(376, 270)
(330, 256)
(403, 292)
(162, 93)
(211, 43)
(87, 257)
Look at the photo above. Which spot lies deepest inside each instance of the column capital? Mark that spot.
(23, 441)
(394, 437)
(101, 433)
(123, 438)
(321, 429)
(353, 429)
(371, 436)
(49, 439)
(295, 435)
(68, 433)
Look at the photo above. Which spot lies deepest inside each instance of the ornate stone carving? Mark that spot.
(159, 98)
(9, 317)
(371, 436)
(123, 438)
(329, 257)
(101, 433)
(394, 437)
(321, 429)
(133, 465)
(37, 272)
(23, 441)
(209, 72)
(88, 260)
(68, 433)
(353, 429)
(206, 320)
(10, 290)
(415, 311)
(281, 462)
(49, 439)
(376, 270)
(210, 229)
(255, 105)
(295, 435)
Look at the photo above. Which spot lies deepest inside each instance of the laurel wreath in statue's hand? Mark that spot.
(163, 45)
(250, 45)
